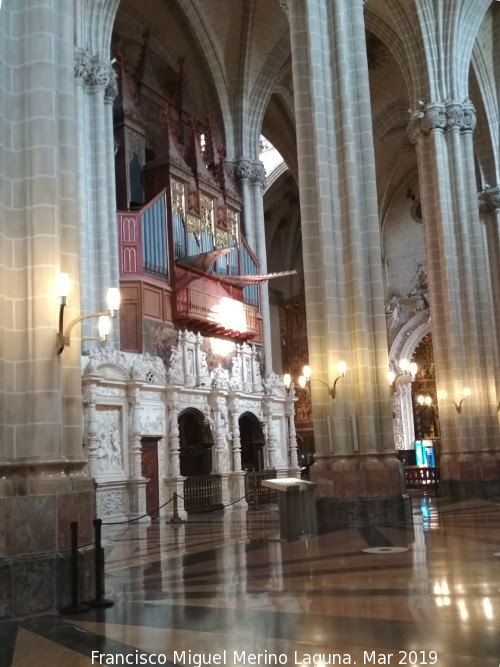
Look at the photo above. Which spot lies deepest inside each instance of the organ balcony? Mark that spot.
(185, 270)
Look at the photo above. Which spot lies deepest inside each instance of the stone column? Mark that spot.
(96, 88)
(258, 183)
(356, 468)
(44, 485)
(243, 172)
(222, 455)
(489, 209)
(252, 178)
(294, 470)
(404, 430)
(237, 481)
(174, 483)
(460, 296)
(136, 483)
(92, 440)
(235, 432)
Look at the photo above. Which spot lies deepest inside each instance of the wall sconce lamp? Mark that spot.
(306, 378)
(458, 407)
(407, 370)
(424, 400)
(104, 323)
(287, 381)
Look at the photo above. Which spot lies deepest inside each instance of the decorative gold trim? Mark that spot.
(221, 239)
(207, 214)
(193, 226)
(233, 225)
(177, 194)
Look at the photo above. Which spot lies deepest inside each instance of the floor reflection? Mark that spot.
(227, 585)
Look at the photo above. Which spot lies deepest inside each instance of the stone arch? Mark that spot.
(403, 347)
(484, 76)
(107, 370)
(195, 443)
(94, 24)
(252, 440)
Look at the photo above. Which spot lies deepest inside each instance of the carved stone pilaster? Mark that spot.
(404, 434)
(292, 435)
(92, 434)
(220, 444)
(236, 441)
(270, 438)
(135, 454)
(174, 442)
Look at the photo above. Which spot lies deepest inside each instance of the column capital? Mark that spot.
(258, 174)
(489, 200)
(425, 118)
(95, 72)
(242, 169)
(446, 115)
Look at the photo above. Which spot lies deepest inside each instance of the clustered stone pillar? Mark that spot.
(252, 179)
(463, 323)
(44, 486)
(96, 89)
(356, 470)
(489, 208)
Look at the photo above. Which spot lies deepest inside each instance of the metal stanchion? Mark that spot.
(100, 600)
(176, 519)
(74, 607)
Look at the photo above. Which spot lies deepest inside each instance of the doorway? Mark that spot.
(195, 444)
(252, 442)
(149, 470)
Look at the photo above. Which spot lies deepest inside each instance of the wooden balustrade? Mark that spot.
(421, 477)
(192, 304)
(202, 492)
(257, 494)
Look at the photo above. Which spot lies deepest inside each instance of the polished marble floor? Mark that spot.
(226, 590)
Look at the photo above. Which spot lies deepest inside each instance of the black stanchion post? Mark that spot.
(175, 516)
(74, 607)
(99, 600)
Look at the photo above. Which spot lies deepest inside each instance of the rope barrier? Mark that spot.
(251, 497)
(119, 523)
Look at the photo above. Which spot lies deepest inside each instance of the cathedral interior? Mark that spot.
(297, 204)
